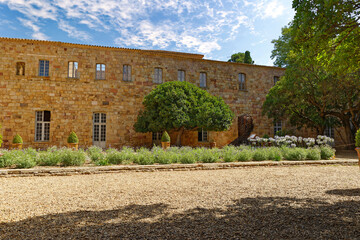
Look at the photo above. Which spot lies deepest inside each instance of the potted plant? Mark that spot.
(165, 140)
(73, 141)
(17, 142)
(212, 143)
(357, 144)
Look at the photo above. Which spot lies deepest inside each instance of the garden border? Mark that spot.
(68, 171)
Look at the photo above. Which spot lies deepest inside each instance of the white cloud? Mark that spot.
(73, 32)
(187, 25)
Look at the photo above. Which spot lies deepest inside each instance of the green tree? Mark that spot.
(182, 105)
(321, 83)
(241, 58)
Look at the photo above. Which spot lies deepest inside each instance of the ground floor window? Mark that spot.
(277, 126)
(156, 136)
(202, 135)
(42, 126)
(99, 128)
(329, 132)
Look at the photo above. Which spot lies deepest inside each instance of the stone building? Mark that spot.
(50, 88)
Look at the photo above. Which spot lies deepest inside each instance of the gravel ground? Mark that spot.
(302, 202)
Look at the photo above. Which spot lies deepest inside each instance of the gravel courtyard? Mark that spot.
(302, 202)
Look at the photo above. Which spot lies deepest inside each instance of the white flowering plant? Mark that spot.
(291, 141)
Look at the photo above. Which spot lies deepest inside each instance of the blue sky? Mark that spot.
(215, 28)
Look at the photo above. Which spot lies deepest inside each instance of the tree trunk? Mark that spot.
(349, 136)
(178, 138)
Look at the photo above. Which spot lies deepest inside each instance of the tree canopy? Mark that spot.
(320, 50)
(181, 105)
(241, 58)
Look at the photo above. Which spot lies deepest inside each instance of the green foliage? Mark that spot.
(241, 58)
(17, 139)
(357, 138)
(96, 155)
(69, 157)
(321, 51)
(327, 152)
(50, 157)
(260, 154)
(274, 154)
(313, 153)
(266, 136)
(244, 155)
(176, 105)
(294, 153)
(73, 138)
(165, 137)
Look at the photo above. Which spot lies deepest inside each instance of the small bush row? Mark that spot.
(54, 156)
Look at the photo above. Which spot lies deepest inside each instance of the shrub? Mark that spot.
(7, 160)
(266, 136)
(144, 157)
(229, 154)
(274, 154)
(187, 158)
(206, 155)
(73, 138)
(357, 139)
(244, 155)
(294, 153)
(70, 157)
(327, 152)
(19, 158)
(313, 154)
(95, 153)
(17, 139)
(113, 156)
(25, 161)
(260, 154)
(165, 137)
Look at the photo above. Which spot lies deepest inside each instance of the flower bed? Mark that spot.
(28, 158)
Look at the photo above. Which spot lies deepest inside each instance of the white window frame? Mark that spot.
(126, 72)
(181, 75)
(42, 126)
(100, 71)
(204, 135)
(44, 68)
(242, 81)
(276, 79)
(203, 80)
(277, 126)
(99, 123)
(158, 75)
(73, 69)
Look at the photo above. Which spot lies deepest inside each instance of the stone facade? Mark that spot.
(73, 101)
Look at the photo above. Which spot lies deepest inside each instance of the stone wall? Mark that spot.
(72, 102)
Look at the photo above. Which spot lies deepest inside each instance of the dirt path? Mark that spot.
(302, 202)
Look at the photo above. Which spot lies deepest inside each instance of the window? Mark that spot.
(73, 70)
(158, 75)
(100, 71)
(329, 132)
(203, 79)
(277, 126)
(156, 136)
(181, 75)
(276, 79)
(20, 68)
(242, 85)
(126, 73)
(44, 68)
(42, 126)
(99, 129)
(202, 135)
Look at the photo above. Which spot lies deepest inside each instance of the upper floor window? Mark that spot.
(127, 72)
(242, 81)
(276, 79)
(277, 126)
(44, 68)
(158, 75)
(42, 126)
(73, 70)
(100, 71)
(181, 75)
(203, 79)
(202, 135)
(20, 68)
